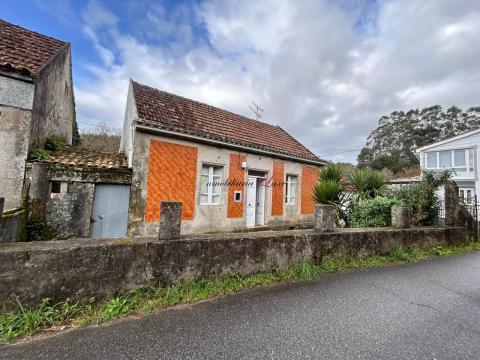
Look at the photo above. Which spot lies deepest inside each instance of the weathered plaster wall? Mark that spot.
(14, 136)
(16, 91)
(126, 141)
(207, 217)
(78, 269)
(68, 213)
(53, 104)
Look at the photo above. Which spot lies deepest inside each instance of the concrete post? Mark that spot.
(170, 220)
(323, 218)
(400, 217)
(452, 203)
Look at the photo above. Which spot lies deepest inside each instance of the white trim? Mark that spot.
(211, 179)
(461, 136)
(290, 199)
(225, 144)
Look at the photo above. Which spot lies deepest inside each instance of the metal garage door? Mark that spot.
(110, 211)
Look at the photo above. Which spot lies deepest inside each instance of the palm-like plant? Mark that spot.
(367, 183)
(327, 192)
(331, 172)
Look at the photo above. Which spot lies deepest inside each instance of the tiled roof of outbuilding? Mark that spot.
(172, 112)
(88, 158)
(23, 50)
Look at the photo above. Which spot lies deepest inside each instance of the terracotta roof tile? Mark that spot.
(23, 50)
(172, 112)
(88, 158)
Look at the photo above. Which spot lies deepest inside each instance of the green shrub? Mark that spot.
(421, 199)
(53, 144)
(374, 212)
(39, 153)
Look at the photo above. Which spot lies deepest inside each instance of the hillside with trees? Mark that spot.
(392, 144)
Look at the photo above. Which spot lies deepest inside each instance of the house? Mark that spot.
(228, 171)
(36, 102)
(460, 153)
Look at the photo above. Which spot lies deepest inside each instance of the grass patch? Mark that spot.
(25, 322)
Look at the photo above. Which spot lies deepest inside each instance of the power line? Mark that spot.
(340, 152)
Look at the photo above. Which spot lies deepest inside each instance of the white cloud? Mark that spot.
(324, 70)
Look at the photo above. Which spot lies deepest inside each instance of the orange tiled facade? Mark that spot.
(309, 179)
(172, 170)
(237, 174)
(277, 188)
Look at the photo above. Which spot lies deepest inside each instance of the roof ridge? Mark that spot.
(298, 142)
(205, 104)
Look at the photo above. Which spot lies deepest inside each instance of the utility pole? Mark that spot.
(257, 110)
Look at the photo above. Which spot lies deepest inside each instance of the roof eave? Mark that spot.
(146, 126)
(446, 141)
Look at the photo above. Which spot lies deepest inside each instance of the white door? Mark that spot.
(250, 200)
(260, 204)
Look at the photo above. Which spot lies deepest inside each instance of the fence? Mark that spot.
(472, 206)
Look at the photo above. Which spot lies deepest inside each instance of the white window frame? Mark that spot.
(290, 186)
(468, 173)
(211, 179)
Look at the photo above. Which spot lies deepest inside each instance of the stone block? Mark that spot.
(400, 217)
(323, 218)
(452, 204)
(170, 220)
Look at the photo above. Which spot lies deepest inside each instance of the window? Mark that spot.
(55, 187)
(461, 160)
(237, 196)
(290, 189)
(431, 160)
(445, 159)
(210, 184)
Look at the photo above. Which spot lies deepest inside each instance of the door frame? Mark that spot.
(257, 175)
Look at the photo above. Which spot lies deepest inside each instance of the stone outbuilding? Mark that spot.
(228, 171)
(79, 193)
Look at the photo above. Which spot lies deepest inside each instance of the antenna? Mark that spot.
(257, 110)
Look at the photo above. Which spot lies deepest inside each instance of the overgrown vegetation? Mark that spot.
(370, 202)
(373, 212)
(25, 322)
(421, 199)
(101, 138)
(44, 152)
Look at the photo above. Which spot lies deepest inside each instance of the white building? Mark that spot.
(459, 153)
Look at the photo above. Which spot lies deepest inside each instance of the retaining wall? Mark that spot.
(102, 268)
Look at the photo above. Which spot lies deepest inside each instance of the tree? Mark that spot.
(392, 144)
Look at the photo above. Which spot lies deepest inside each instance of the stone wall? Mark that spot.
(12, 224)
(78, 269)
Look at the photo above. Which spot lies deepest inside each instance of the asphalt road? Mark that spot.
(426, 310)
